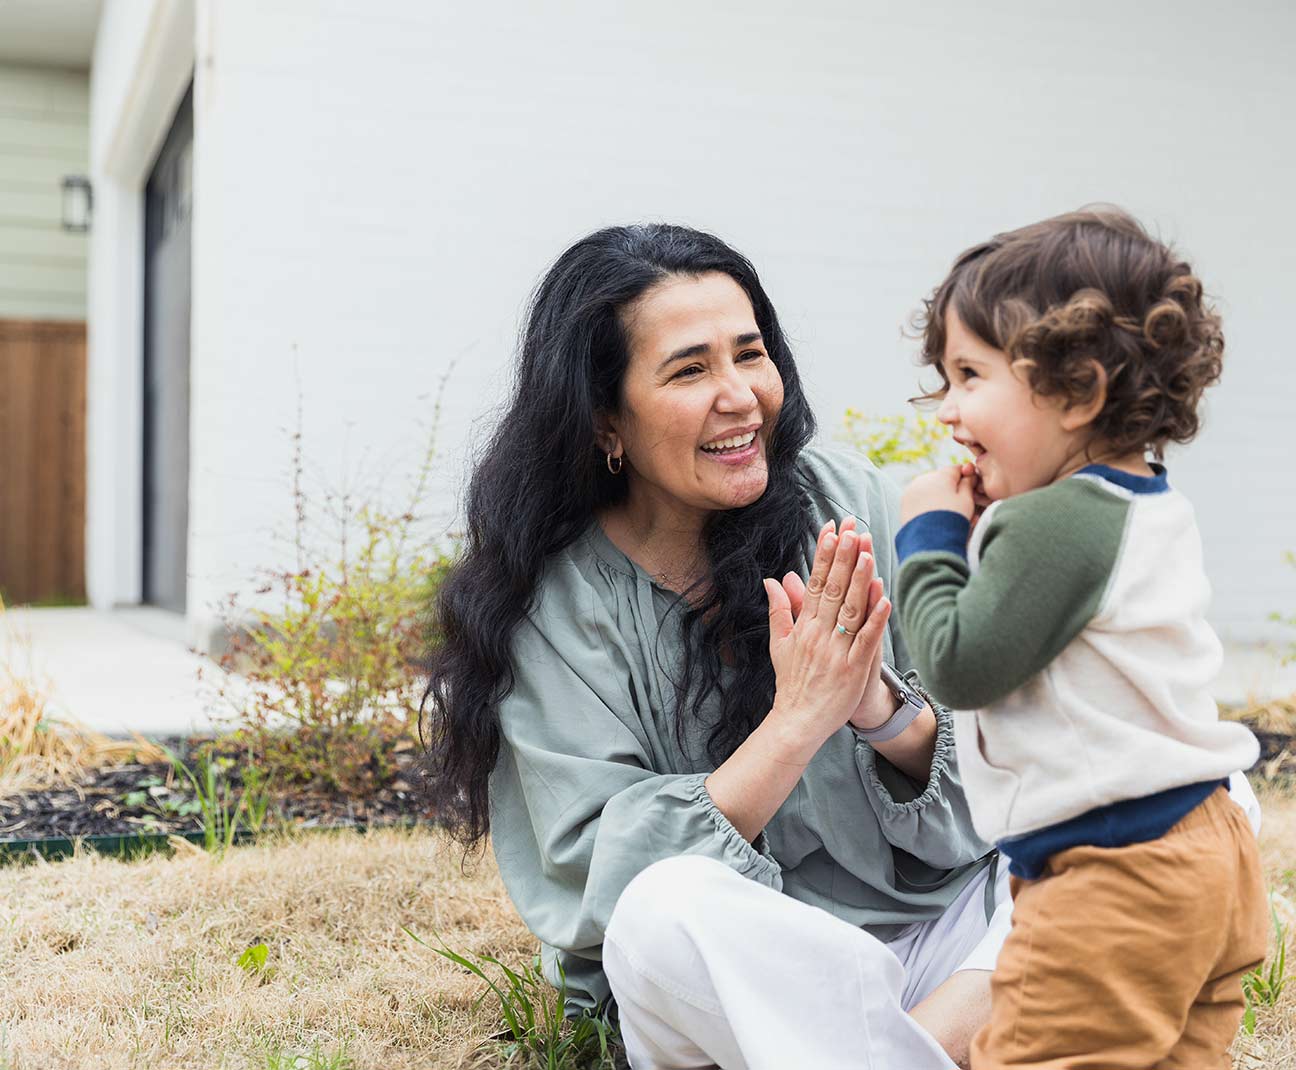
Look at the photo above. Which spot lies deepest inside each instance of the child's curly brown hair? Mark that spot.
(1084, 300)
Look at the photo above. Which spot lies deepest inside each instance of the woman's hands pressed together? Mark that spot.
(878, 704)
(912, 750)
(826, 641)
(828, 649)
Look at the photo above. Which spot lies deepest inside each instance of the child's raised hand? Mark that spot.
(946, 488)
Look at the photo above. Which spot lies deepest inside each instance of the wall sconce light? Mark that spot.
(78, 203)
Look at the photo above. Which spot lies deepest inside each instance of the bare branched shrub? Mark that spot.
(329, 677)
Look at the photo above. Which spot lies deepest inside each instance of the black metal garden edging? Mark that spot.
(125, 845)
(138, 844)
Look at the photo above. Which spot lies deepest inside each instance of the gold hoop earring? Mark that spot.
(619, 464)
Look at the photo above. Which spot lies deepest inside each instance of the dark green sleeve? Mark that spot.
(1045, 562)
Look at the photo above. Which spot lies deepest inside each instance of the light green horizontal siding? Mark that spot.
(31, 244)
(44, 135)
(30, 305)
(30, 169)
(63, 280)
(27, 131)
(37, 203)
(50, 92)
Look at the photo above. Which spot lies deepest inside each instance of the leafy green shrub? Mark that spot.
(909, 440)
(329, 678)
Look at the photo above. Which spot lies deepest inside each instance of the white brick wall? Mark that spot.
(378, 186)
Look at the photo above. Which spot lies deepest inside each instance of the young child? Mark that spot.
(1067, 627)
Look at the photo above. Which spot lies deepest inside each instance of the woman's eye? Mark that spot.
(687, 373)
(751, 354)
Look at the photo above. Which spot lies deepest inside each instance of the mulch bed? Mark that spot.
(1273, 744)
(1277, 753)
(149, 798)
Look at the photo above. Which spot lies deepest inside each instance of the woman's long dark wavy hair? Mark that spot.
(542, 480)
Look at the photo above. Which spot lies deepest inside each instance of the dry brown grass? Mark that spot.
(113, 964)
(1270, 715)
(38, 750)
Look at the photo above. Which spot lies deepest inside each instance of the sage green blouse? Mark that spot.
(592, 784)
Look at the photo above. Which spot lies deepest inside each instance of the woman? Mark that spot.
(618, 686)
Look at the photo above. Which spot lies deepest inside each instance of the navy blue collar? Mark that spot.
(1153, 484)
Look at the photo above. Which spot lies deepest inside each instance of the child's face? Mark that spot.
(1018, 439)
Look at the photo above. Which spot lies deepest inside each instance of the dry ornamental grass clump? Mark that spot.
(1274, 723)
(37, 750)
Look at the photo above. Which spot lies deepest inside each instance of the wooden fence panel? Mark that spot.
(42, 461)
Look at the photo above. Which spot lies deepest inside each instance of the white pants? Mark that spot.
(712, 969)
(1242, 794)
(709, 968)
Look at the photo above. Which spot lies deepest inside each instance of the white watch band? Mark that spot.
(911, 705)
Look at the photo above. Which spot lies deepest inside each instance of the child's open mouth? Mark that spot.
(973, 447)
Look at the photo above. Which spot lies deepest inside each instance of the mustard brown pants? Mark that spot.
(1132, 957)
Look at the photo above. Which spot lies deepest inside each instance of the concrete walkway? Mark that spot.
(131, 670)
(118, 671)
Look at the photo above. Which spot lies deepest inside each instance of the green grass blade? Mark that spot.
(511, 1017)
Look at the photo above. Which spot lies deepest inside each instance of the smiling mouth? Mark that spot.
(735, 444)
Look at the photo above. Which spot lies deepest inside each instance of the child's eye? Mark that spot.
(966, 373)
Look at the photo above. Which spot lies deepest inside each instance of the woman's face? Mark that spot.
(700, 397)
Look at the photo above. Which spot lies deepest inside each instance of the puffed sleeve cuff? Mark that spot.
(933, 825)
(753, 861)
(888, 807)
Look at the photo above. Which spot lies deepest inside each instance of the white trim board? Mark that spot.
(144, 61)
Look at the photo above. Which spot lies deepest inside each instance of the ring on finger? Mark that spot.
(843, 630)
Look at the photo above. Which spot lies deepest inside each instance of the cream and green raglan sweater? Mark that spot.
(1069, 636)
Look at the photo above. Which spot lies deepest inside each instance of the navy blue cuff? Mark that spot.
(940, 529)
